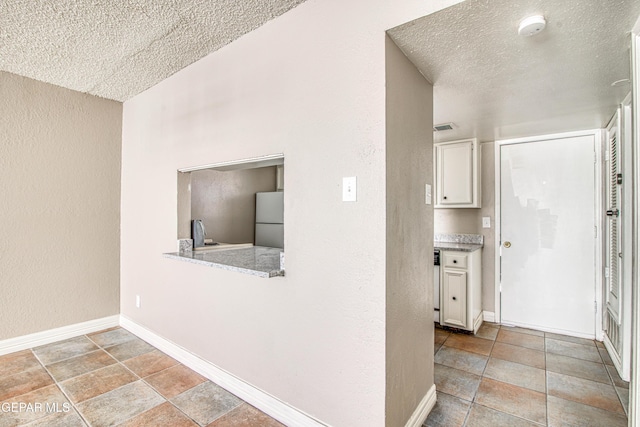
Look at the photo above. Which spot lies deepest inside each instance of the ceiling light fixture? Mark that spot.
(532, 25)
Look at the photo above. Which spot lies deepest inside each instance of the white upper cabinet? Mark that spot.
(457, 174)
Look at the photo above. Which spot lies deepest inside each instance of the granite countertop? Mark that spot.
(458, 242)
(255, 260)
(461, 247)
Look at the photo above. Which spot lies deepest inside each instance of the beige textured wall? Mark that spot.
(410, 331)
(226, 201)
(316, 337)
(60, 215)
(469, 221)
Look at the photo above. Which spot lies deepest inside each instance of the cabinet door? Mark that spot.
(454, 298)
(455, 173)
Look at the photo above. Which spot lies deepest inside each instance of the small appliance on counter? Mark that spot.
(197, 233)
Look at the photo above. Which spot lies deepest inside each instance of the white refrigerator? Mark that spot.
(270, 219)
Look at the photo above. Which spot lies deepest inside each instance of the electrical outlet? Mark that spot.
(349, 189)
(486, 222)
(137, 301)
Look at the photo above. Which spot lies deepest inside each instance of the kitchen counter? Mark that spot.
(458, 242)
(255, 260)
(453, 246)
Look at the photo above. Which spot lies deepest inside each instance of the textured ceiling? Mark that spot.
(117, 49)
(495, 84)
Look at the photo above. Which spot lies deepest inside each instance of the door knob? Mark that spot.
(507, 244)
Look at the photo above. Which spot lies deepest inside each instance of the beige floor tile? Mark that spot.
(588, 392)
(43, 403)
(20, 361)
(522, 355)
(206, 402)
(112, 337)
(60, 419)
(449, 411)
(565, 413)
(578, 351)
(613, 373)
(604, 355)
(522, 330)
(97, 382)
(129, 349)
(578, 368)
(521, 340)
(24, 382)
(513, 400)
(162, 415)
(120, 405)
(79, 365)
(575, 340)
(623, 394)
(245, 415)
(441, 336)
(175, 380)
(150, 363)
(436, 347)
(516, 374)
(455, 382)
(470, 343)
(481, 416)
(488, 331)
(61, 350)
(463, 360)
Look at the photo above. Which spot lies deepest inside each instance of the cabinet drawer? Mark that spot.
(454, 260)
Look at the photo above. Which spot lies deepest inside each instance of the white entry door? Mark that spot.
(547, 234)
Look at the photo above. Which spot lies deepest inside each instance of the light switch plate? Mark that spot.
(427, 194)
(349, 189)
(486, 222)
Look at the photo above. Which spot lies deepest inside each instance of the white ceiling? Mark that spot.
(494, 84)
(117, 49)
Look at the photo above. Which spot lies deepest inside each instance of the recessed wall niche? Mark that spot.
(223, 196)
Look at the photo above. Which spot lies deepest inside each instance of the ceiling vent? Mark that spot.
(443, 126)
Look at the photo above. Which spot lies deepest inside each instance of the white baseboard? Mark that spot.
(52, 335)
(267, 403)
(489, 316)
(424, 408)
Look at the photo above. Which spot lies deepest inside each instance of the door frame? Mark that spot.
(599, 215)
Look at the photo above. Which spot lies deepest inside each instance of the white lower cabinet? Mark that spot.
(461, 293)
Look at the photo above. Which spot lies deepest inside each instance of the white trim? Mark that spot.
(634, 387)
(497, 315)
(267, 403)
(424, 408)
(260, 161)
(489, 316)
(52, 335)
(598, 136)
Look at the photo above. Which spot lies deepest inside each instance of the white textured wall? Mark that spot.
(60, 214)
(409, 237)
(311, 85)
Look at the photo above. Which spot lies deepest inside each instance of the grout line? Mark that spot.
(73, 405)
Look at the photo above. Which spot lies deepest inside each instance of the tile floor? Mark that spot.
(505, 376)
(111, 378)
